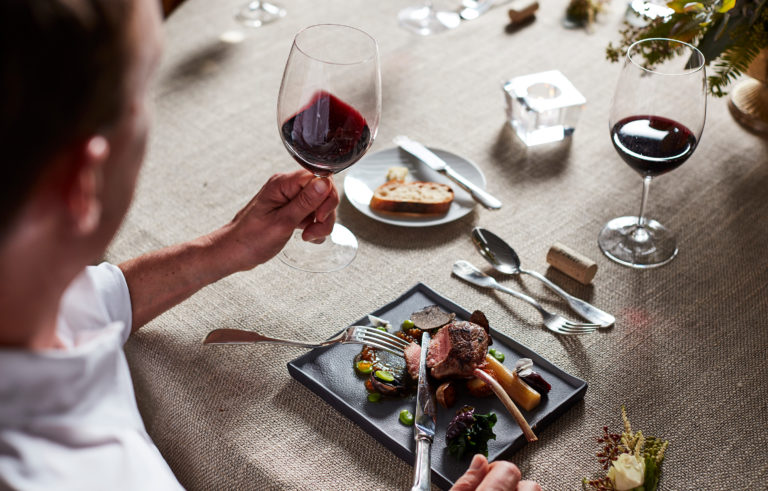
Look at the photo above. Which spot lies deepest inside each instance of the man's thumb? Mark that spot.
(474, 475)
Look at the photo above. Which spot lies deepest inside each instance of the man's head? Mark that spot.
(74, 78)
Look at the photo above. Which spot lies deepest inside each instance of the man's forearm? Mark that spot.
(161, 279)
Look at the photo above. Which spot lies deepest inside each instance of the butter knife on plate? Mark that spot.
(423, 424)
(436, 163)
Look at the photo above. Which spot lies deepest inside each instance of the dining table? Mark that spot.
(686, 357)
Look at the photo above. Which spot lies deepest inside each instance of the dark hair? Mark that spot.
(62, 70)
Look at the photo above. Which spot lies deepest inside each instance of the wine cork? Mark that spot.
(570, 262)
(517, 16)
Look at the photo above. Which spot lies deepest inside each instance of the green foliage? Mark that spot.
(469, 432)
(730, 34)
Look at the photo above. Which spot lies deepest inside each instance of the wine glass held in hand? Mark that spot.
(656, 120)
(328, 113)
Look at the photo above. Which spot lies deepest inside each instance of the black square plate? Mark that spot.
(329, 372)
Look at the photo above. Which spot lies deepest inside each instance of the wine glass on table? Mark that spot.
(256, 13)
(425, 19)
(328, 113)
(656, 120)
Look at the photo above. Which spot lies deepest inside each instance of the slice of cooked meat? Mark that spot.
(412, 359)
(479, 318)
(457, 349)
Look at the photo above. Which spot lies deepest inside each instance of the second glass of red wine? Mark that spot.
(656, 120)
(328, 113)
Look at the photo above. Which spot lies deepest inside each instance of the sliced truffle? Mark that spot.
(431, 317)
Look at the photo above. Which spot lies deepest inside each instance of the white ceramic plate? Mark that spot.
(371, 172)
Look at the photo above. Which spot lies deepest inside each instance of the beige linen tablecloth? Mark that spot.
(687, 354)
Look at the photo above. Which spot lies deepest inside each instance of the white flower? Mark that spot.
(627, 472)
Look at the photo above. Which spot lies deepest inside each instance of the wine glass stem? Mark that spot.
(646, 187)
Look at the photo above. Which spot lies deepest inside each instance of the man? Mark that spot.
(74, 92)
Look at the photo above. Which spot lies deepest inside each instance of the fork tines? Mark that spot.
(569, 328)
(377, 338)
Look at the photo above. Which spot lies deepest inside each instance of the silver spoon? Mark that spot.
(504, 259)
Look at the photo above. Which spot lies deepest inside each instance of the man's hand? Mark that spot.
(498, 476)
(296, 200)
(159, 280)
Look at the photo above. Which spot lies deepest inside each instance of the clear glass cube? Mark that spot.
(543, 107)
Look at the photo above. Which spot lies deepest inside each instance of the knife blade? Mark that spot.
(423, 423)
(436, 163)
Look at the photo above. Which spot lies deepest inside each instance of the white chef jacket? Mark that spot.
(68, 417)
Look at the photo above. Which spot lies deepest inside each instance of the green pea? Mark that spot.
(384, 376)
(408, 324)
(364, 367)
(497, 354)
(374, 397)
(406, 417)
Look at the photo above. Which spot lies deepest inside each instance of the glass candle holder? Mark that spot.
(543, 107)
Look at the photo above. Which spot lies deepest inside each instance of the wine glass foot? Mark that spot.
(425, 20)
(336, 252)
(649, 246)
(257, 13)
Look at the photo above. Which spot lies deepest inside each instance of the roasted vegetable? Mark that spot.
(524, 370)
(446, 394)
(519, 391)
(478, 388)
(468, 433)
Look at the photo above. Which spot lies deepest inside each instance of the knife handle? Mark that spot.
(422, 466)
(482, 197)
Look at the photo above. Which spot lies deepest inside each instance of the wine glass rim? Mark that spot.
(331, 62)
(694, 51)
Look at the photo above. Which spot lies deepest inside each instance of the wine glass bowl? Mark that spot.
(656, 120)
(328, 113)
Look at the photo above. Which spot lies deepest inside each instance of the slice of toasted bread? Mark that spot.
(414, 198)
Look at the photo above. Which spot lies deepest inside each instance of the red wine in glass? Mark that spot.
(652, 145)
(327, 136)
(657, 116)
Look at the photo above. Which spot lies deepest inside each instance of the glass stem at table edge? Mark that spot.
(640, 234)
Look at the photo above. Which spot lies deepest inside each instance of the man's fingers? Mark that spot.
(528, 486)
(306, 201)
(325, 210)
(318, 230)
(502, 476)
(474, 475)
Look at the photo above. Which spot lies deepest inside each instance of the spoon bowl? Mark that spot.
(505, 260)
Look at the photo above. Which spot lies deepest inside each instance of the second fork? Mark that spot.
(554, 322)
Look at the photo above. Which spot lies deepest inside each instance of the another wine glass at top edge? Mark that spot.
(257, 13)
(425, 19)
(328, 113)
(656, 120)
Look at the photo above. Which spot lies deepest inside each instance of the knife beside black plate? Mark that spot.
(436, 163)
(423, 424)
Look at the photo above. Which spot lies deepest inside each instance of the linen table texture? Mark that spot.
(687, 354)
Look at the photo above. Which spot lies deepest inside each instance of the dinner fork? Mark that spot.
(554, 322)
(370, 336)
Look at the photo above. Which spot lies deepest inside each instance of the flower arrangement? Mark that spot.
(633, 461)
(730, 34)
